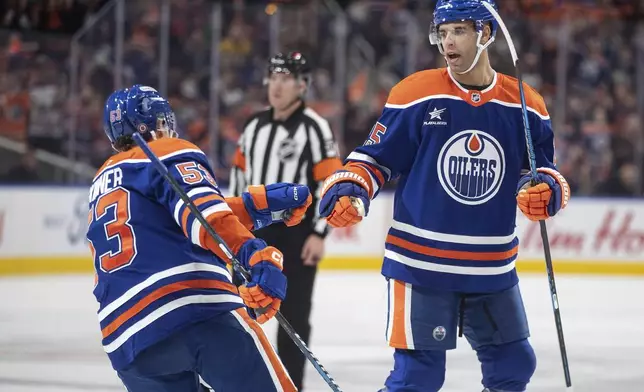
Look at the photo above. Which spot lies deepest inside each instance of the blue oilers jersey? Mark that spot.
(155, 267)
(458, 155)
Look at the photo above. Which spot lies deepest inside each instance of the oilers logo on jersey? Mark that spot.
(471, 166)
(454, 219)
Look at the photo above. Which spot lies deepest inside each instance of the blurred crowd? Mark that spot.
(585, 67)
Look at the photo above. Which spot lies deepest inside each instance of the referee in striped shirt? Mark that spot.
(290, 142)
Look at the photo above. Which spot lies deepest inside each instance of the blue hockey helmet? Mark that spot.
(451, 11)
(136, 109)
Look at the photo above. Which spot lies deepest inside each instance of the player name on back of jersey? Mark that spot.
(106, 182)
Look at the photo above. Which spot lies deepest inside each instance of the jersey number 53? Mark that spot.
(116, 204)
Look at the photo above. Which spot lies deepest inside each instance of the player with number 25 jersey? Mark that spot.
(168, 309)
(454, 138)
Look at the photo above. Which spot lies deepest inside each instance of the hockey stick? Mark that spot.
(163, 170)
(533, 172)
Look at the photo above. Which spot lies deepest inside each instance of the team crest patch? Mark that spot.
(439, 333)
(471, 166)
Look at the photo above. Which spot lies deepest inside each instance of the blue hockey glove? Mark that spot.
(266, 288)
(338, 195)
(281, 202)
(544, 199)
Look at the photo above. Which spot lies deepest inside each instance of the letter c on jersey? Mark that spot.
(278, 258)
(471, 166)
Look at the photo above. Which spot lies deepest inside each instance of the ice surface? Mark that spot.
(50, 341)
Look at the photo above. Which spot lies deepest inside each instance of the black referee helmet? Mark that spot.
(292, 63)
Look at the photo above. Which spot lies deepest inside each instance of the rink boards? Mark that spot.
(42, 230)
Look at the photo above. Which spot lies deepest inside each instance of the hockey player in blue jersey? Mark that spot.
(454, 138)
(169, 312)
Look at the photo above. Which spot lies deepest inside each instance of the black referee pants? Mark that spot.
(296, 308)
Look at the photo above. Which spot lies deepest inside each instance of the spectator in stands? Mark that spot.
(25, 172)
(598, 126)
(622, 185)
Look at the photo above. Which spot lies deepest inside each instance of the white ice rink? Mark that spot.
(49, 337)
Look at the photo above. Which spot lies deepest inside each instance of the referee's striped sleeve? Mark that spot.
(325, 160)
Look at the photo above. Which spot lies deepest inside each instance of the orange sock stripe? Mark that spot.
(398, 336)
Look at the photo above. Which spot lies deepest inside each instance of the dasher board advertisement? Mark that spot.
(42, 230)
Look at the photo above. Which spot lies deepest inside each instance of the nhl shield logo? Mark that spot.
(471, 166)
(287, 150)
(476, 97)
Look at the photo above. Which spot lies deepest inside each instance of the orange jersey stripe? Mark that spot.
(451, 254)
(231, 231)
(422, 84)
(507, 90)
(398, 336)
(258, 194)
(359, 170)
(285, 381)
(373, 169)
(197, 203)
(239, 209)
(325, 168)
(206, 199)
(184, 221)
(162, 292)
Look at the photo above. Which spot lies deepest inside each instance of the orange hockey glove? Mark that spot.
(266, 288)
(280, 202)
(546, 198)
(345, 198)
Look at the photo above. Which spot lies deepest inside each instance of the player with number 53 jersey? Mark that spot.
(169, 311)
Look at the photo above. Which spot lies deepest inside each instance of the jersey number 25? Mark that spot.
(376, 133)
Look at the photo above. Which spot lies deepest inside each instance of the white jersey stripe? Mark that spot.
(390, 310)
(358, 156)
(449, 269)
(453, 238)
(181, 269)
(423, 99)
(191, 193)
(196, 228)
(409, 336)
(454, 97)
(165, 309)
